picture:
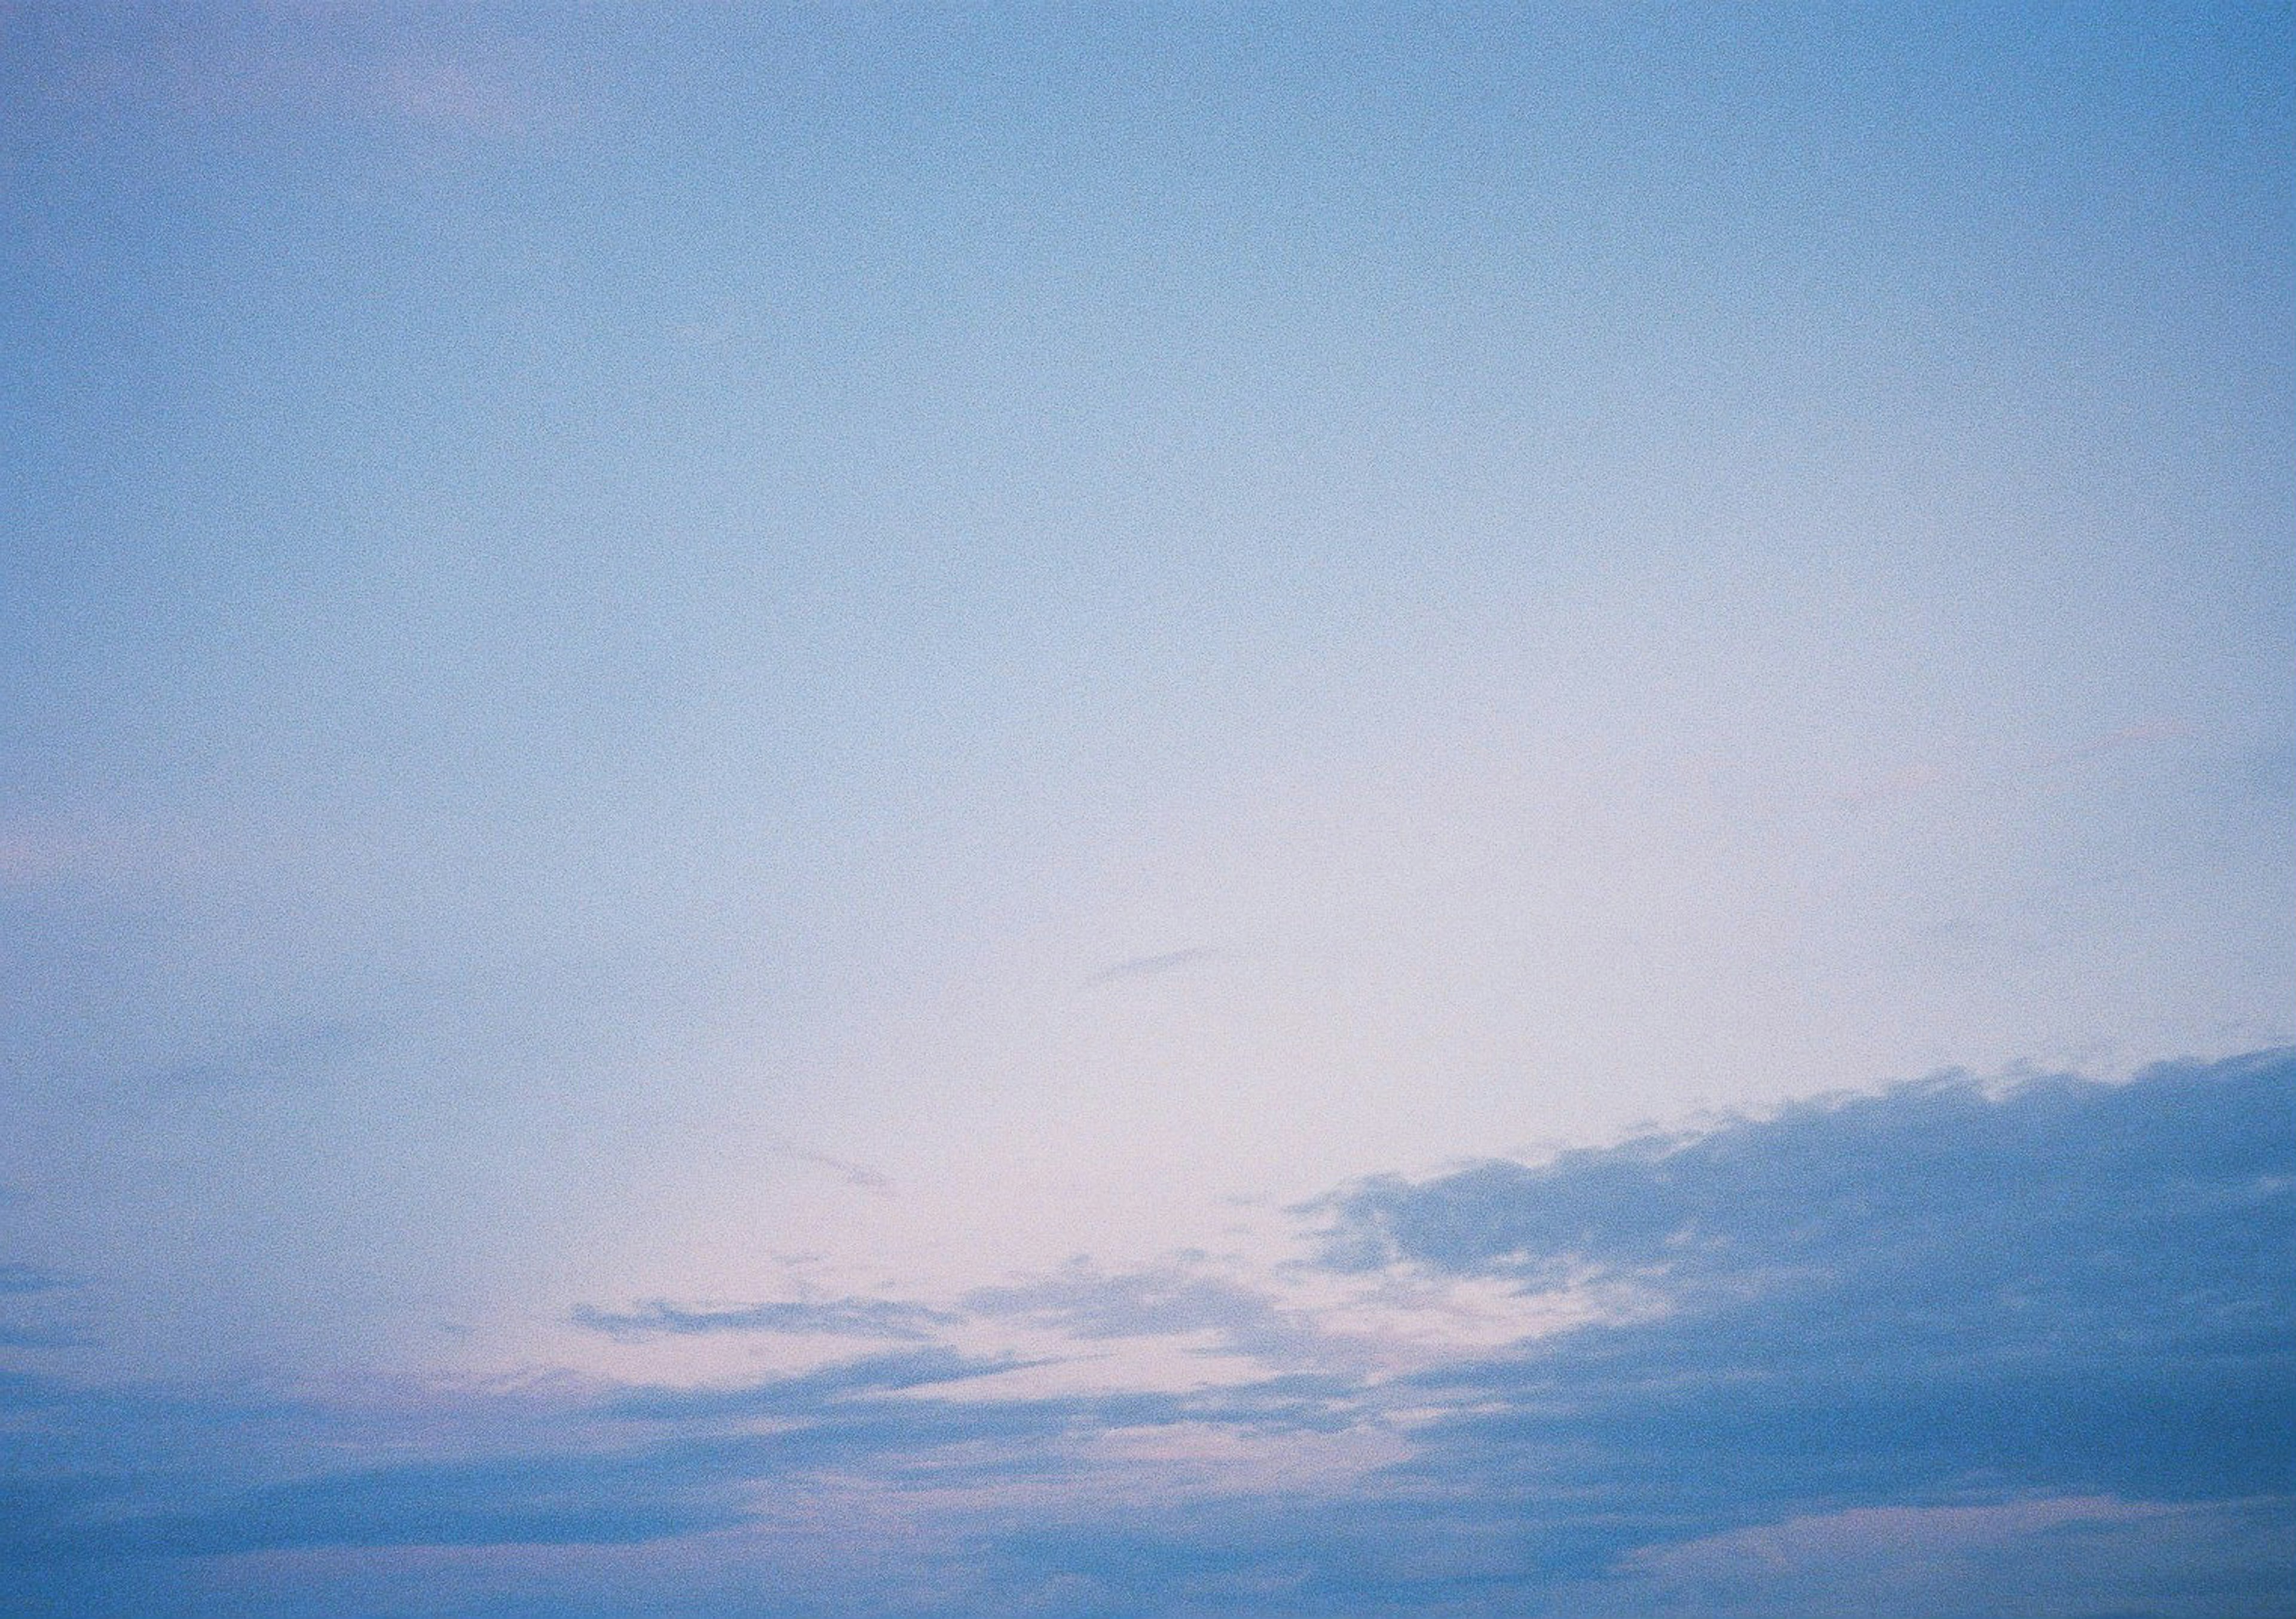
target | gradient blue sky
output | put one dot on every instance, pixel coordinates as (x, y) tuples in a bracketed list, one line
[(859, 731)]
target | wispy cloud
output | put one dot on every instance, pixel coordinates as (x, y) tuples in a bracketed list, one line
[(857, 1175), (870, 1317), (811, 1393), (19, 1279), (34, 1300), (1148, 966)]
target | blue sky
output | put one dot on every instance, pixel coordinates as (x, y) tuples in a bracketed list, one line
[(1181, 797)]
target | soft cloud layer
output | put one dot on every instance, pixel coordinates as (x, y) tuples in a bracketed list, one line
[(1968, 1333)]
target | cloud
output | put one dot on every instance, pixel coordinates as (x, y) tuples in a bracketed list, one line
[(1146, 967), (1950, 1295), (18, 1279), (2063, 1287), (809, 1392), (30, 1297), (636, 1466), (871, 1318), (857, 1175), (1951, 1339), (1172, 1299), (539, 1501), (2079, 1557)]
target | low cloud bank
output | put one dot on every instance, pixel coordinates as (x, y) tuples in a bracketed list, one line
[(1949, 1330)]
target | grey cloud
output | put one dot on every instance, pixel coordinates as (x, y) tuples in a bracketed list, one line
[(1171, 1299), (32, 1298), (1144, 966), (576, 1478), (2045, 1184), (1944, 1294), (21, 1278), (548, 1499), (2098, 1560), (17, 1335), (2068, 1287), (1947, 1294), (857, 1175), (808, 1391), (839, 1317)]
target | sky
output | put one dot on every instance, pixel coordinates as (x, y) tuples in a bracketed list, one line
[(1326, 810)]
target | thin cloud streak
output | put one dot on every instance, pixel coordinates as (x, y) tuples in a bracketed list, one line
[(1149, 967), (840, 1317)]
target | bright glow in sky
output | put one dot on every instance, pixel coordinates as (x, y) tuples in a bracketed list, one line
[(687, 659)]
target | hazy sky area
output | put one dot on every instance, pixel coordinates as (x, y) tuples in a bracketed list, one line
[(1235, 811)]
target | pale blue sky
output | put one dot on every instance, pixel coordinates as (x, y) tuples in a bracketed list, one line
[(612, 622)]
